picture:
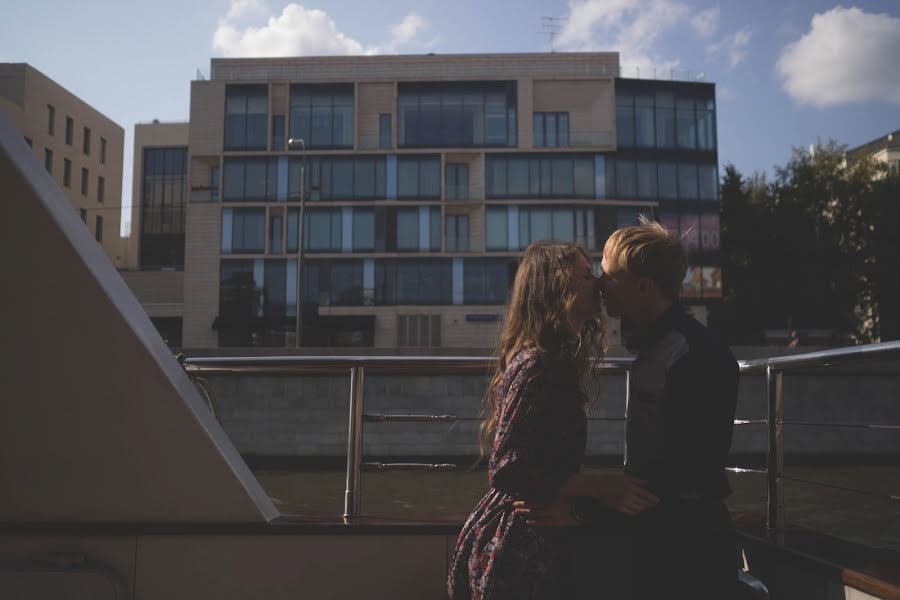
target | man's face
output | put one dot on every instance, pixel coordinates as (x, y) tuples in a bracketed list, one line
[(620, 290)]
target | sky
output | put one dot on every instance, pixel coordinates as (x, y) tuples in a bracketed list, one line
[(787, 72)]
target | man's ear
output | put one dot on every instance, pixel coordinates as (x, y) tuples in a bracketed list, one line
[(646, 286)]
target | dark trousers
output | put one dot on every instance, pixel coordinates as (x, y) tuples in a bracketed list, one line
[(684, 549)]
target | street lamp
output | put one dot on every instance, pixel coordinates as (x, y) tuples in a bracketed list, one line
[(298, 326)]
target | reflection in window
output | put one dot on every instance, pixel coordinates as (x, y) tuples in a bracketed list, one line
[(338, 178), (163, 189), (644, 134), (418, 178), (413, 281), (246, 117), (457, 181), (496, 228), (709, 182), (250, 179), (363, 229), (624, 119), (457, 114), (545, 223), (243, 230), (410, 233), (687, 181), (322, 115), (321, 231), (540, 177), (551, 129), (457, 233), (487, 280)]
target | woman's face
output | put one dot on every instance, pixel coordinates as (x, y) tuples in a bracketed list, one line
[(587, 293)]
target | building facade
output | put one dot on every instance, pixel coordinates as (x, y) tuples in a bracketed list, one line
[(155, 272), (79, 146), (422, 179)]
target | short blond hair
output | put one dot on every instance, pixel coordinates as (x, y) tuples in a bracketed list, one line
[(649, 250)]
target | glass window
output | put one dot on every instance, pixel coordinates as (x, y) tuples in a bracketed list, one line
[(413, 281), (457, 114), (407, 229), (709, 184), (246, 117), (687, 181), (418, 178), (665, 120), (645, 132), (709, 232), (247, 231), (686, 123), (624, 119), (706, 124), (550, 130), (486, 280), (517, 177), (690, 231), (98, 231), (342, 179), (457, 181), (86, 141), (537, 124), (626, 179), (712, 282), (563, 225), (51, 119), (322, 115), (322, 230), (67, 172), (384, 131), (496, 228), (70, 128), (102, 151), (584, 177), (457, 233), (275, 222), (363, 229), (585, 228), (626, 217), (278, 132), (646, 179), (562, 129), (563, 177), (101, 189), (85, 175), (668, 181)]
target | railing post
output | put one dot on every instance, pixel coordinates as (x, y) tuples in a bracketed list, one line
[(352, 501), (775, 456), (627, 404)]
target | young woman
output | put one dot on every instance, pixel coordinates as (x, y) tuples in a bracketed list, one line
[(551, 336)]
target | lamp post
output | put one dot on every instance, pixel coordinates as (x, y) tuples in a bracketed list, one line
[(298, 326)]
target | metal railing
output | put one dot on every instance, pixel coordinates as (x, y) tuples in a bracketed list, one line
[(359, 366)]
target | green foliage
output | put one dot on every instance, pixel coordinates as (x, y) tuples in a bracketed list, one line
[(817, 248)]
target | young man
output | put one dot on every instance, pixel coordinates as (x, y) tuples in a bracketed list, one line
[(678, 430), (679, 422)]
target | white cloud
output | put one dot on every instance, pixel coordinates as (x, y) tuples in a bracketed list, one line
[(706, 22), (298, 31), (633, 28), (847, 56), (734, 45)]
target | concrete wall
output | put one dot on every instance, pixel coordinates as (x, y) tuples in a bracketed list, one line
[(283, 416)]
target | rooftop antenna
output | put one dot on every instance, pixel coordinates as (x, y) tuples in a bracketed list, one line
[(200, 76), (551, 26)]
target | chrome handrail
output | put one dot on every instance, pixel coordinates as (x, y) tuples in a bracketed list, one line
[(358, 366)]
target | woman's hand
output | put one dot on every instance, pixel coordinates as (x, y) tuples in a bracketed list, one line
[(557, 513)]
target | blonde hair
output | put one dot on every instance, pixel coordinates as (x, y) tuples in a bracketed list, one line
[(649, 250), (537, 316)]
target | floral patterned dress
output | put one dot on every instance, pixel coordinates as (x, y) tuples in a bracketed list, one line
[(538, 443)]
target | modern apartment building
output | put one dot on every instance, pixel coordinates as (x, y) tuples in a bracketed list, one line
[(79, 146), (155, 272), (422, 178)]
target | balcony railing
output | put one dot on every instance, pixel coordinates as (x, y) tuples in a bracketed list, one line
[(358, 367)]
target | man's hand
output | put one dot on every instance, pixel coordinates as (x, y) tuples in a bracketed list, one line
[(556, 514), (625, 494)]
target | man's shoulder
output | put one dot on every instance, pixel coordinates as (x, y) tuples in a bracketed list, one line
[(702, 342)]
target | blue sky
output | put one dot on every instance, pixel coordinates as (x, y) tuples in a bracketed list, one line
[(787, 72)]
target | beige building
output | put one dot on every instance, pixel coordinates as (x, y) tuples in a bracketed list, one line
[(885, 149), (79, 146), (155, 271), (422, 179)]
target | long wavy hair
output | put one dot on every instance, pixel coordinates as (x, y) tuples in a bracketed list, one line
[(538, 316)]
